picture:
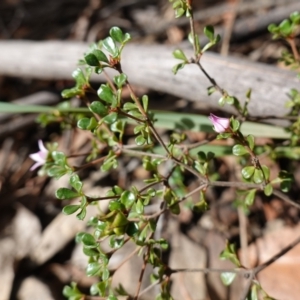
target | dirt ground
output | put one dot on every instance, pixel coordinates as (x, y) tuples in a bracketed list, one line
[(38, 253)]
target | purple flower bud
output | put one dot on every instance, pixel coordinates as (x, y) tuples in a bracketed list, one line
[(220, 124), (39, 157)]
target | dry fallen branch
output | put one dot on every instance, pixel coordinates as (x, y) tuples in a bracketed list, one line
[(151, 66)]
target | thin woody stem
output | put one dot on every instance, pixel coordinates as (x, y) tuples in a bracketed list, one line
[(211, 80), (252, 273), (92, 163), (192, 26), (141, 153), (142, 111), (292, 44)]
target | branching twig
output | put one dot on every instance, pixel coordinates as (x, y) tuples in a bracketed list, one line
[(146, 257), (261, 267)]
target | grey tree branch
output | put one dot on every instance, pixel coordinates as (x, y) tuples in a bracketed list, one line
[(150, 66)]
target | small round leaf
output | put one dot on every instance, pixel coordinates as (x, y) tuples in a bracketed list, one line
[(268, 190), (247, 172), (239, 150), (258, 176), (65, 193), (93, 268), (227, 278), (128, 198), (70, 209), (117, 34), (98, 108)]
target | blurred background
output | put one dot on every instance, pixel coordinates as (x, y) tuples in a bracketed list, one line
[(38, 255)]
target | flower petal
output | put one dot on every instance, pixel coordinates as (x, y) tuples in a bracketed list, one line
[(38, 157), (36, 165), (42, 147), (220, 124)]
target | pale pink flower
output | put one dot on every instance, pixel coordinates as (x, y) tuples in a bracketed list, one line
[(220, 124), (39, 157)]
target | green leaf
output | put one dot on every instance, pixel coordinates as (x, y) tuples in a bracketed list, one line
[(98, 108), (175, 208), (258, 176), (116, 242), (132, 229), (119, 223), (57, 172), (254, 294), (120, 80), (100, 55), (79, 236), (202, 156), (59, 158), (118, 126), (87, 123), (268, 189), (201, 206), (248, 93), (126, 38), (117, 34), (210, 155), (179, 54), (128, 198), (65, 193), (108, 164), (250, 140), (209, 32), (285, 27), (90, 251), (230, 100), (69, 93), (179, 12), (235, 125), (99, 288), (222, 101), (93, 269), (200, 167), (105, 93), (110, 46), (145, 102), (111, 118), (164, 244), (115, 205), (105, 274), (140, 140), (88, 240), (72, 292), (266, 171), (227, 278), (248, 172), (295, 17), (129, 106), (194, 40), (79, 77), (285, 186), (272, 28), (211, 90), (178, 67), (139, 207), (239, 150), (230, 253), (250, 196), (70, 209), (81, 215), (76, 183), (91, 60)]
